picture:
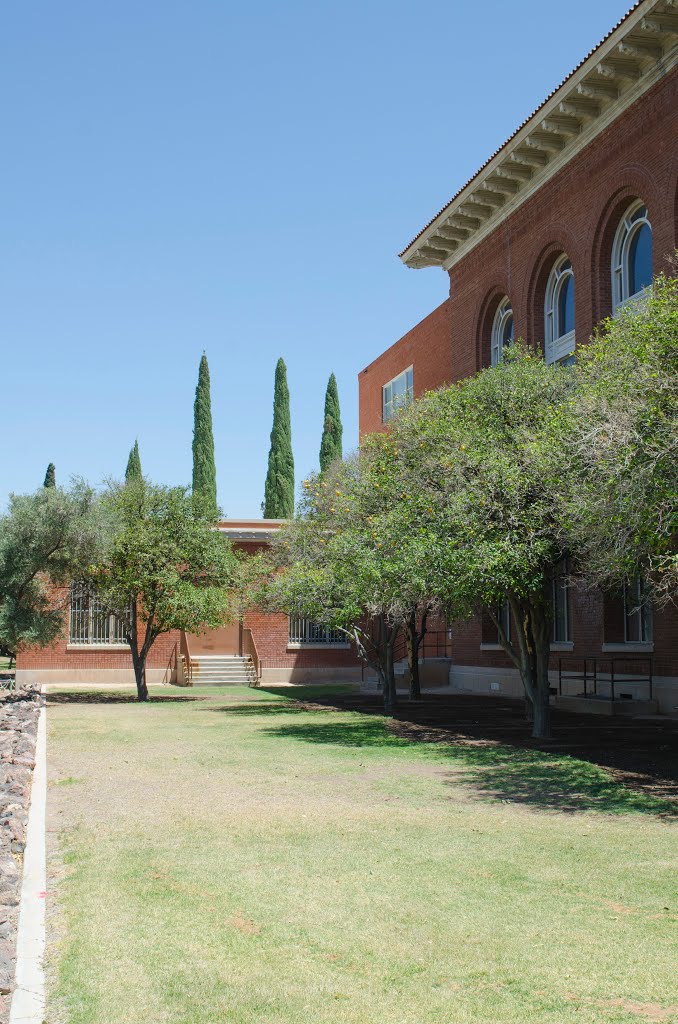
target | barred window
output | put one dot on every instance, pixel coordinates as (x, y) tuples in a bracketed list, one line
[(90, 623), (306, 631)]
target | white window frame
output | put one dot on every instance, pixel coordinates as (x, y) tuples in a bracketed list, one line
[(637, 609), (89, 625), (303, 632), (390, 404), (561, 588), (504, 312), (628, 227), (557, 347)]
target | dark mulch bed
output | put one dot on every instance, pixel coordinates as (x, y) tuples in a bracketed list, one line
[(641, 753)]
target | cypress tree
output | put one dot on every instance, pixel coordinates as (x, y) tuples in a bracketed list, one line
[(204, 468), (50, 476), (133, 471), (330, 446), (279, 489)]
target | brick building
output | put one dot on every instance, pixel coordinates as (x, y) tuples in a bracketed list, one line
[(271, 648), (567, 221)]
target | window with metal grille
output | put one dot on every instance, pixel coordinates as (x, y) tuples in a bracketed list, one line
[(90, 622), (305, 631)]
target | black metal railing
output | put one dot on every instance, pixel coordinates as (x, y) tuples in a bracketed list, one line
[(604, 677)]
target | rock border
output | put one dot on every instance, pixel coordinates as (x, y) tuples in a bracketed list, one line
[(21, 714)]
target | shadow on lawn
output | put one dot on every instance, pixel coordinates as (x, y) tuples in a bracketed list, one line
[(498, 772), (273, 707), (100, 697)]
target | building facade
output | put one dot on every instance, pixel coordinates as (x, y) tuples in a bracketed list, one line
[(567, 221), (267, 648)]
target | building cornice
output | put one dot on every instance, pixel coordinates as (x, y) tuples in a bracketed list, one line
[(635, 55)]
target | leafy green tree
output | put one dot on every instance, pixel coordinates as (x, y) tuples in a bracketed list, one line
[(330, 446), (50, 476), (623, 429), (165, 566), (46, 539), (204, 468), (353, 562), (133, 470), (279, 487), (481, 468)]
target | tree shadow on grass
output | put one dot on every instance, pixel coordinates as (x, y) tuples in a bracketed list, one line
[(100, 697), (269, 708), (497, 772)]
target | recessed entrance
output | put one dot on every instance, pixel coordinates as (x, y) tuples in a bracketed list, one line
[(225, 640)]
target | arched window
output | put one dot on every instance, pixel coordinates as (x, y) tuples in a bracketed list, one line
[(502, 330), (632, 255), (559, 338)]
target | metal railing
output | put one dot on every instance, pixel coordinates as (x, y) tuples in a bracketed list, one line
[(249, 649), (185, 655), (603, 677)]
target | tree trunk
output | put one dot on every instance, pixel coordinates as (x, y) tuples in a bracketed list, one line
[(533, 628), (414, 639), (139, 656), (140, 676), (390, 694)]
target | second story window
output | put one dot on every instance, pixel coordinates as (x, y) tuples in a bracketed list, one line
[(502, 330), (632, 255), (397, 393), (559, 340)]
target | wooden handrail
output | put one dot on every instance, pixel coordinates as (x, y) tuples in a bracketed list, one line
[(249, 648)]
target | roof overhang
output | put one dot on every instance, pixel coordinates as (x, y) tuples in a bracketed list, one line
[(262, 530), (633, 56)]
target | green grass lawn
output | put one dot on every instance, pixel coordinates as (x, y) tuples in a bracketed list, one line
[(229, 856)]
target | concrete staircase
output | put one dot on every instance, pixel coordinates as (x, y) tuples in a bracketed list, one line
[(222, 670)]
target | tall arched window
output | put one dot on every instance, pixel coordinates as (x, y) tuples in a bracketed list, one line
[(502, 330), (559, 338), (632, 255)]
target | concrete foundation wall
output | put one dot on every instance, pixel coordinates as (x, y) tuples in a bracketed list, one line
[(480, 679), (115, 676), (271, 676)]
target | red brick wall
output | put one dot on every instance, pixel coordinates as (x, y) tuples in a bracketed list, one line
[(576, 212), (271, 635), (270, 632), (62, 656), (426, 347)]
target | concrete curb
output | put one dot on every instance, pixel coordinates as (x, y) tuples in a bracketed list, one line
[(28, 1000)]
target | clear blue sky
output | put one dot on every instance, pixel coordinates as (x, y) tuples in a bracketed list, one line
[(180, 176)]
